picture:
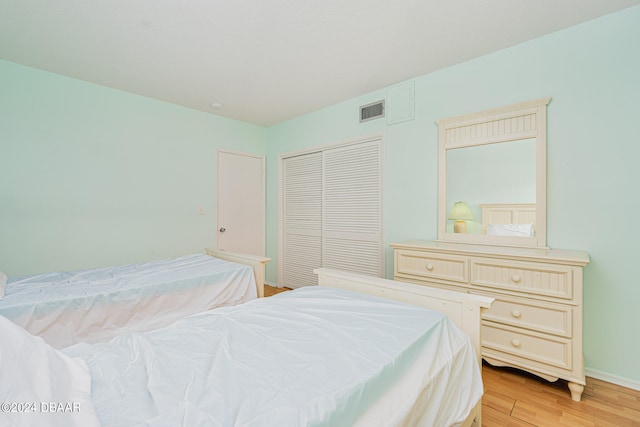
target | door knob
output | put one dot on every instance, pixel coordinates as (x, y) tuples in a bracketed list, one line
[(222, 229)]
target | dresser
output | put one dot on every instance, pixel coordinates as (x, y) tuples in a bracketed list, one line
[(535, 322)]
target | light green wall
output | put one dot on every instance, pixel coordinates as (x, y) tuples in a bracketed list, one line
[(91, 176), (591, 72)]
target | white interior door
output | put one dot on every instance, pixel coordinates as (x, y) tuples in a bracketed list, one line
[(240, 202)]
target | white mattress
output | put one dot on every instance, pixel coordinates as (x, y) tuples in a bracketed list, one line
[(310, 357), (96, 305)]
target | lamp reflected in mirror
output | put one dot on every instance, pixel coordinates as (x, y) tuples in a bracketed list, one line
[(460, 213)]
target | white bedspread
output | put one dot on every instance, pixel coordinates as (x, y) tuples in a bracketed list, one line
[(96, 305), (310, 357)]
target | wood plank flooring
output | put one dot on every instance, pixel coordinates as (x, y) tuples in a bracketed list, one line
[(514, 398), (272, 290)]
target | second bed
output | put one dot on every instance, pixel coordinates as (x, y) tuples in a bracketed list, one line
[(95, 305)]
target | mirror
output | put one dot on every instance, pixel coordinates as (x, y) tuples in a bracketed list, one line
[(502, 173), (495, 163)]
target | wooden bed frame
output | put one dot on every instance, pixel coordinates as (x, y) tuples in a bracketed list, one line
[(256, 262), (464, 309)]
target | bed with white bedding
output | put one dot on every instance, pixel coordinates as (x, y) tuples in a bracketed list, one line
[(95, 305), (315, 356)]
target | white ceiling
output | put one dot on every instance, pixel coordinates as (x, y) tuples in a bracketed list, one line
[(268, 61)]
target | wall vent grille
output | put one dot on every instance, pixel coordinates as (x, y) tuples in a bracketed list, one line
[(372, 111)]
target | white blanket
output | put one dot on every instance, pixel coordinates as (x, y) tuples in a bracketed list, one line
[(98, 304), (311, 357)]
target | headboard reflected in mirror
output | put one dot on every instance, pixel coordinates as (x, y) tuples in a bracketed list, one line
[(494, 158), (509, 219)]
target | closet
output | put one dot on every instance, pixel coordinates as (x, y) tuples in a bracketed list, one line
[(332, 211)]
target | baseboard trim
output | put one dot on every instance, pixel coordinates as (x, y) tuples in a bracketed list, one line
[(275, 285), (613, 379)]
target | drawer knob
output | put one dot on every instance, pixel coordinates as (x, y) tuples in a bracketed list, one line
[(429, 267), (515, 278), (516, 342), (516, 314)]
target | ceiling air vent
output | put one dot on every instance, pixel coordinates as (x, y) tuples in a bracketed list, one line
[(372, 111)]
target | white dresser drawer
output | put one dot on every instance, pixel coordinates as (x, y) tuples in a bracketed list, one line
[(532, 278), (551, 318), (548, 350), (447, 286), (432, 266)]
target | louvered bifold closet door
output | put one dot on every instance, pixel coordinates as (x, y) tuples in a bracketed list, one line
[(352, 208), (302, 197)]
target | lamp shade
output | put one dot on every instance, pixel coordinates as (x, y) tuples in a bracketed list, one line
[(460, 211)]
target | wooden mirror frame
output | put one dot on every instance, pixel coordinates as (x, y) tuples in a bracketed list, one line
[(527, 120)]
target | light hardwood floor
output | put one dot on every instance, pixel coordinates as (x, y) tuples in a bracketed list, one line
[(271, 290), (516, 399)]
